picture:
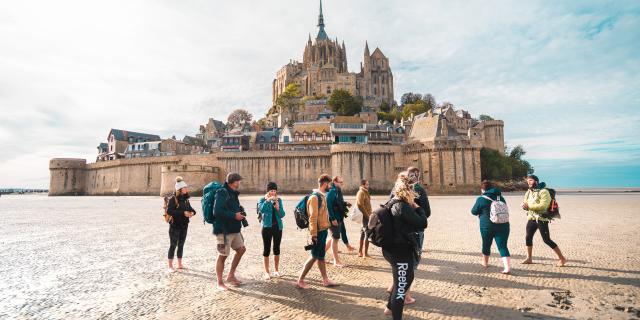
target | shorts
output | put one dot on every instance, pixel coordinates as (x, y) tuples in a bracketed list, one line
[(335, 230), (227, 242), (318, 250)]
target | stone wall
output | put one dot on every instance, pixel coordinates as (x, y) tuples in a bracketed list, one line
[(446, 168)]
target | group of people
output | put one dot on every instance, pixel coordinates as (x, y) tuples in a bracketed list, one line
[(327, 209)]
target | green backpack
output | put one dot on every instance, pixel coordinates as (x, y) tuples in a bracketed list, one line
[(208, 201)]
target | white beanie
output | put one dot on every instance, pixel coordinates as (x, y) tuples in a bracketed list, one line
[(180, 183)]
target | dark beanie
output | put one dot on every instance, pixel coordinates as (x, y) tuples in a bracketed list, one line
[(534, 177), (272, 186)]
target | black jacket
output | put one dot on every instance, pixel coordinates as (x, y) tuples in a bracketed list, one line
[(406, 222), (177, 211)]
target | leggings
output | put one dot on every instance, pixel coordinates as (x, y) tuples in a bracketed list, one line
[(532, 226), (401, 260), (498, 232), (177, 236), (268, 234)]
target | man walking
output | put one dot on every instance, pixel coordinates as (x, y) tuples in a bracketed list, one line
[(228, 216), (363, 201), (318, 225), (337, 208)]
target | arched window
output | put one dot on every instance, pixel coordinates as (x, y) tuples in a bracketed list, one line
[(304, 136), (313, 136), (297, 136)]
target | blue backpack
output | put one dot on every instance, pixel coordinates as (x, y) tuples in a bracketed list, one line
[(208, 201), (300, 212)]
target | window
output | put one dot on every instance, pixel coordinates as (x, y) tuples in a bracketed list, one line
[(324, 136), (304, 136), (375, 90), (286, 138), (313, 136)]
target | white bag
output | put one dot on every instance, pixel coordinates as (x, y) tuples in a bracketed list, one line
[(499, 211), (355, 214)]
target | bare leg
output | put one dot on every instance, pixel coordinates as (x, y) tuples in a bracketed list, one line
[(366, 248), (276, 263), (329, 244), (231, 277), (409, 299), (305, 270), (485, 261), (170, 261), (323, 272), (336, 257), (219, 271), (180, 266), (529, 259), (506, 261), (265, 262), (361, 247), (561, 259)]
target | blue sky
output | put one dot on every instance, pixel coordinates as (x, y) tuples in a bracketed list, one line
[(563, 75)]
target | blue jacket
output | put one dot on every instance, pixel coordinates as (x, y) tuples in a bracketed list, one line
[(335, 203), (267, 209), (225, 207), (482, 208)]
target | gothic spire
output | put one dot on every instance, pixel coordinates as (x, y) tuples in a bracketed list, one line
[(321, 34), (366, 48)]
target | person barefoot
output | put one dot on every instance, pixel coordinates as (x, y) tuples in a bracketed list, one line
[(318, 226), (180, 265), (271, 212), (363, 202), (234, 281)]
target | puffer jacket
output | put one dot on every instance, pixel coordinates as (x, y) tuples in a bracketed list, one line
[(177, 208), (482, 207)]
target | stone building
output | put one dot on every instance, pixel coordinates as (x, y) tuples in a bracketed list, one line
[(324, 69), (306, 136), (103, 152), (119, 140), (348, 130), (211, 133)]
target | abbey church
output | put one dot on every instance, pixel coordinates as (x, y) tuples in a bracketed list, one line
[(324, 69)]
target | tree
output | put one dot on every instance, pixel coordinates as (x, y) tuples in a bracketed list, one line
[(343, 103), (390, 116), (484, 117), (430, 100), (385, 107), (409, 98), (239, 116), (502, 167), (290, 100), (415, 108)]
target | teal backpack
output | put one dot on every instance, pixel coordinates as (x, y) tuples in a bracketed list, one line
[(208, 198)]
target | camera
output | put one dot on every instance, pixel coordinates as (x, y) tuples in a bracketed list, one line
[(309, 247), (244, 221)]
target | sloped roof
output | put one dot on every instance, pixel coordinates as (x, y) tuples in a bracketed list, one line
[(347, 119), (268, 135), (309, 127), (194, 141), (124, 135), (103, 146)]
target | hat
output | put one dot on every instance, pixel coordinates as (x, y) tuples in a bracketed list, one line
[(180, 183), (272, 186), (233, 177), (534, 177)]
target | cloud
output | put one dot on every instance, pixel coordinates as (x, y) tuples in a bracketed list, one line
[(563, 76)]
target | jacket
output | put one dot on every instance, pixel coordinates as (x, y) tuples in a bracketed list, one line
[(318, 215), (226, 205), (177, 211), (538, 200), (406, 223), (482, 208), (268, 210), (363, 201), (422, 199), (335, 204)]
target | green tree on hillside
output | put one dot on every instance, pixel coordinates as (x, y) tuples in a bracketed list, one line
[(502, 167), (343, 103), (290, 100)]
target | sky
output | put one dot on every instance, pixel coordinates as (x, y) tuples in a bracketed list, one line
[(563, 75)]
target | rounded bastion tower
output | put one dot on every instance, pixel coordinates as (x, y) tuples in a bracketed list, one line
[(68, 177)]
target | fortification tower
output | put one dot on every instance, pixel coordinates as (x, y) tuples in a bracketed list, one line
[(68, 177)]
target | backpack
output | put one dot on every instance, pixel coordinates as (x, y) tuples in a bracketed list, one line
[(208, 201), (300, 212), (553, 211), (499, 211), (380, 228), (167, 197)]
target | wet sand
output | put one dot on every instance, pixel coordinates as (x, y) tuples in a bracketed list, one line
[(105, 258)]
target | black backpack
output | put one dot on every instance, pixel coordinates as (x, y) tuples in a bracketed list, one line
[(300, 212), (380, 228)]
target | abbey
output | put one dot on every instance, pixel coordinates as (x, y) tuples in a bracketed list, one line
[(324, 69)]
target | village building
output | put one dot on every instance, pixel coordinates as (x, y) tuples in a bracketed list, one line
[(119, 140)]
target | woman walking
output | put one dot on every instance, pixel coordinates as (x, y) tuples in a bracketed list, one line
[(271, 212), (179, 208), (408, 220), (490, 230), (536, 203)]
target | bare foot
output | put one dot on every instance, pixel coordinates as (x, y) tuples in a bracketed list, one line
[(181, 266), (329, 284), (387, 311), (367, 256), (302, 285), (171, 270), (409, 300), (350, 248), (222, 287), (338, 265), (266, 276), (527, 261), (562, 262), (360, 254), (484, 265), (276, 274), (234, 281), (506, 271), (390, 288)]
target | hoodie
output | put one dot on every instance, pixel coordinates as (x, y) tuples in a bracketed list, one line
[(482, 207)]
